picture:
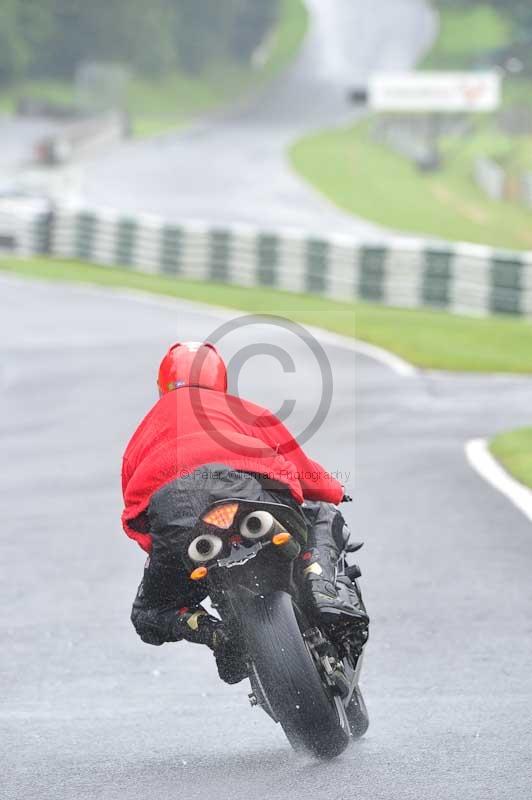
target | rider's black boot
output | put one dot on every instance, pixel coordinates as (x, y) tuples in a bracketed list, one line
[(157, 622), (337, 601), (196, 625)]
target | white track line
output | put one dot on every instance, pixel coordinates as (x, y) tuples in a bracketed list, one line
[(396, 363), (480, 458), (390, 360)]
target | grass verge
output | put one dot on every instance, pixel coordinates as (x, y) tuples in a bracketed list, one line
[(370, 180), (429, 339), (514, 451), (162, 105)]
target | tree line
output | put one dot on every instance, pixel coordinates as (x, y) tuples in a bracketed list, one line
[(49, 38)]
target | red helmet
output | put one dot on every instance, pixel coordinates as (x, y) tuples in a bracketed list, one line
[(192, 364)]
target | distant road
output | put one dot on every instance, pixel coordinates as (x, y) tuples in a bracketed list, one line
[(232, 167)]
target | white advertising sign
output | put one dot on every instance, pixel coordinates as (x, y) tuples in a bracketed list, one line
[(435, 91)]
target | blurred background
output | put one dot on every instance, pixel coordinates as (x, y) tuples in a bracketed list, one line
[(361, 166), (159, 63), (146, 70)]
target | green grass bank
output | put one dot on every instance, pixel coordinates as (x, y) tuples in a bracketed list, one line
[(371, 181), (428, 339), (514, 450)]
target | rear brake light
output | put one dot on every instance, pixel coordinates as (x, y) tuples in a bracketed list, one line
[(221, 516)]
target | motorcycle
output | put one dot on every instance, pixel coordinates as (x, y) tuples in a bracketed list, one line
[(247, 552)]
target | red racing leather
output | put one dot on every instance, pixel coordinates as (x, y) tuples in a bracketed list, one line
[(191, 427)]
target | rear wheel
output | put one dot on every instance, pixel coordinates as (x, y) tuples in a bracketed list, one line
[(309, 713)]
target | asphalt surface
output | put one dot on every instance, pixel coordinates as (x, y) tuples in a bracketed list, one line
[(88, 711), (233, 167)]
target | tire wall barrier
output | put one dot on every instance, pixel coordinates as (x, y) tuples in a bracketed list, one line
[(412, 273), (25, 227)]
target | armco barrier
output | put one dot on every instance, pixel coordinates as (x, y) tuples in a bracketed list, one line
[(414, 273), (25, 226)]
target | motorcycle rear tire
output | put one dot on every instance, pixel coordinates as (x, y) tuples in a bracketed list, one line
[(289, 676)]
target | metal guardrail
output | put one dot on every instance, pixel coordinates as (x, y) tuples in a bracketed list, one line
[(412, 273)]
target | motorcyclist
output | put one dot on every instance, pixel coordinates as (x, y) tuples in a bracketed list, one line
[(199, 444)]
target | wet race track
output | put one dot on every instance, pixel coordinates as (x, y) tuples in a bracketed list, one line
[(87, 710)]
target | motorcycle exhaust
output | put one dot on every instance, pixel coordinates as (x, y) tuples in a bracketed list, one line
[(286, 545)]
